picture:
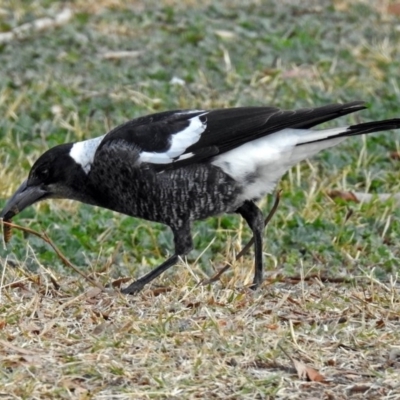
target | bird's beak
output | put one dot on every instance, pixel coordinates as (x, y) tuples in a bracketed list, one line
[(22, 198)]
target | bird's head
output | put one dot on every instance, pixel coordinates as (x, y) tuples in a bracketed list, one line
[(54, 175)]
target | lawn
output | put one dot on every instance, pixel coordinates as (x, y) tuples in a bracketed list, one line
[(331, 297)]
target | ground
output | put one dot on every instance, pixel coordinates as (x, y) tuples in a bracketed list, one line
[(330, 301)]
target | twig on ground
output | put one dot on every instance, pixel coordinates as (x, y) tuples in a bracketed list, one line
[(23, 31), (116, 55), (65, 261)]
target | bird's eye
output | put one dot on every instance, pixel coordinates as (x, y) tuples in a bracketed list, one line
[(42, 173)]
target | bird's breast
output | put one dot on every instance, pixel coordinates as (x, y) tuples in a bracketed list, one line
[(188, 193)]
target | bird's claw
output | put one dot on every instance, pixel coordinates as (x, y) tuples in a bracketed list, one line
[(133, 288)]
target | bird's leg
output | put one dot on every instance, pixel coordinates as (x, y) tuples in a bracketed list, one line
[(254, 218), (183, 245)]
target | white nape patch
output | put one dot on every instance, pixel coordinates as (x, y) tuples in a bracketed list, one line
[(259, 164), (83, 152), (179, 143)]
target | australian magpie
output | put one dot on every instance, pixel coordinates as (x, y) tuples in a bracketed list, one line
[(179, 166)]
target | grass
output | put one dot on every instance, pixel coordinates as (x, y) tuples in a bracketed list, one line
[(331, 299)]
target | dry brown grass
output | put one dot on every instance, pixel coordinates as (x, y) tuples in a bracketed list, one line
[(61, 339), (188, 341)]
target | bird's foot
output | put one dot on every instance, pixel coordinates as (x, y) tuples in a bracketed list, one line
[(255, 285), (134, 287)]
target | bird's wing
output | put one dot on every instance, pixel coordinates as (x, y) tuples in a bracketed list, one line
[(173, 139)]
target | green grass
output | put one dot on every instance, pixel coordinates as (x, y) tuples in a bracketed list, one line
[(57, 86)]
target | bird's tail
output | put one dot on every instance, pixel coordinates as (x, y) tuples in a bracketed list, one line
[(339, 134), (376, 126), (313, 141)]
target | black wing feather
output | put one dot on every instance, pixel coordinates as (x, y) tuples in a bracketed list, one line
[(226, 129), (153, 132), (232, 127)]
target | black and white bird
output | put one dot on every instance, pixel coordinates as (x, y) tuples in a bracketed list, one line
[(180, 166)]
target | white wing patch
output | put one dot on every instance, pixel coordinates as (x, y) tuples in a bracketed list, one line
[(180, 142), (83, 152), (259, 164)]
